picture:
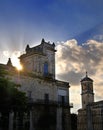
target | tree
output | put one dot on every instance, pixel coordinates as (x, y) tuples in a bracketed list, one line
[(11, 99)]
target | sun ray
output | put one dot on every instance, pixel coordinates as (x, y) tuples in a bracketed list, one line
[(16, 61)]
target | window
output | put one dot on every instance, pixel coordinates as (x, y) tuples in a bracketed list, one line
[(46, 97), (62, 99), (62, 96), (45, 68)]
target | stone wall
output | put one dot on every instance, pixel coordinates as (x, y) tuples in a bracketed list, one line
[(38, 88)]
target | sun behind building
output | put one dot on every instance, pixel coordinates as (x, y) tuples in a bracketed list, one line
[(48, 97)]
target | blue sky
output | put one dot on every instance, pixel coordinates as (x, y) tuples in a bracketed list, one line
[(23, 21)]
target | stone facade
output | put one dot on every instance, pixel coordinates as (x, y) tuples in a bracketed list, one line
[(40, 59), (90, 116), (48, 97)]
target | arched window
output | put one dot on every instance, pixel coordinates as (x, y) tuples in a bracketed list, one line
[(45, 68)]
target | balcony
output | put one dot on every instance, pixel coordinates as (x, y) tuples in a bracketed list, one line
[(48, 75), (50, 103)]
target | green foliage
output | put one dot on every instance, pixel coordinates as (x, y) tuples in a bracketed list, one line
[(3, 72), (10, 97)]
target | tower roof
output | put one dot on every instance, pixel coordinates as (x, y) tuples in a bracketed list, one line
[(39, 49), (86, 78), (9, 63)]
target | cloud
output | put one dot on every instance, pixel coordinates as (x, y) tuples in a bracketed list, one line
[(73, 60), (98, 37), (15, 59), (4, 55)]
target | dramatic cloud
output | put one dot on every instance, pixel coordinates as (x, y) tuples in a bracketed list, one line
[(73, 60), (4, 55)]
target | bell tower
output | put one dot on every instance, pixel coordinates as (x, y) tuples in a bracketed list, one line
[(87, 93)]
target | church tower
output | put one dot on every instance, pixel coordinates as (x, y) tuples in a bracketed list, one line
[(87, 93), (40, 59)]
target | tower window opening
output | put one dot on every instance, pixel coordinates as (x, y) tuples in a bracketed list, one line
[(45, 68)]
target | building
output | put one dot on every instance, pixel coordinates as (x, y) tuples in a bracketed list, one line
[(90, 116), (48, 97)]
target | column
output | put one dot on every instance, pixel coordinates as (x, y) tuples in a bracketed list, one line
[(59, 119), (67, 119), (31, 121), (89, 118), (11, 115)]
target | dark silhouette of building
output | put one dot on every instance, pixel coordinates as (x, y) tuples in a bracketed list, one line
[(49, 106)]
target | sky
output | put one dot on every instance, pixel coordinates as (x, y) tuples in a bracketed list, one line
[(76, 27)]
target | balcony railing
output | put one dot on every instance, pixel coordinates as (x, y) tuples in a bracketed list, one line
[(48, 75), (50, 103)]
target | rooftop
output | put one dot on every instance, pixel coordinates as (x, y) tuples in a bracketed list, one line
[(86, 78)]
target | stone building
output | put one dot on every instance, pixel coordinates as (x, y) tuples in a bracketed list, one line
[(90, 116), (48, 97)]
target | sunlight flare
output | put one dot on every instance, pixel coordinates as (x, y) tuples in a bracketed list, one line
[(19, 67), (16, 61)]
